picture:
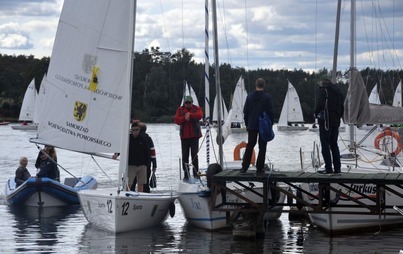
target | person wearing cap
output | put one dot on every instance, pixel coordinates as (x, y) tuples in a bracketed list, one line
[(188, 117), (329, 110)]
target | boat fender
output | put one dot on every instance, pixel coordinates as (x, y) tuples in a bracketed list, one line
[(212, 169), (172, 209), (299, 204), (393, 134), (328, 200), (237, 153), (290, 200), (274, 196), (205, 194), (86, 182)]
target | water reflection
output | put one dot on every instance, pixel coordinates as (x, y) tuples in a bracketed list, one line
[(159, 239), (279, 237), (37, 228)]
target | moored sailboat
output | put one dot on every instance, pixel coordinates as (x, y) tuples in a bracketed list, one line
[(343, 214), (194, 193), (90, 74)]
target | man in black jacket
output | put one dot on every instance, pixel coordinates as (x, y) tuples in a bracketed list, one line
[(329, 110), (256, 102)]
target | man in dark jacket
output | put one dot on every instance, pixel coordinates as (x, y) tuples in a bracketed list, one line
[(139, 157), (188, 117), (256, 102), (329, 110), (152, 163)]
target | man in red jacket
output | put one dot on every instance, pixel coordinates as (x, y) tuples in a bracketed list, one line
[(188, 116)]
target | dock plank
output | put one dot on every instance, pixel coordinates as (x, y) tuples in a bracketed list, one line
[(301, 176)]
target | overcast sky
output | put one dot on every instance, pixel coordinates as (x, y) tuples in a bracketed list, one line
[(281, 34)]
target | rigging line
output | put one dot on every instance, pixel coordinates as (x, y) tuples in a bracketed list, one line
[(392, 47), (247, 36), (51, 159), (183, 44), (100, 168), (169, 50), (223, 20), (165, 27)]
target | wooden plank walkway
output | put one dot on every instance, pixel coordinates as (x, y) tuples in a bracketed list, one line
[(306, 177), (390, 182)]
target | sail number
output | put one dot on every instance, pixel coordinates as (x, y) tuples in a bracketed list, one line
[(109, 204), (125, 207)]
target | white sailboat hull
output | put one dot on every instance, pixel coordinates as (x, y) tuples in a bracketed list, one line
[(196, 205), (126, 211), (25, 127), (341, 129), (238, 130), (337, 223), (291, 128), (345, 222)]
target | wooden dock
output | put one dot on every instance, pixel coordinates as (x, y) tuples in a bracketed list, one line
[(274, 181)]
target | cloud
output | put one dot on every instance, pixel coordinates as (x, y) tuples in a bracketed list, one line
[(16, 41), (255, 33)]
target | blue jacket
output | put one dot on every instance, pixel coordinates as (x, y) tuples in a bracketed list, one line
[(256, 103)]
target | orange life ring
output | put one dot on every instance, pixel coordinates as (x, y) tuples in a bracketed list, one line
[(237, 153), (388, 132)]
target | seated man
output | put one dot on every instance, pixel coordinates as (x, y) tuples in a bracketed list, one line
[(48, 168)]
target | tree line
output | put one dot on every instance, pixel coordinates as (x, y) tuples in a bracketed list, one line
[(159, 79)]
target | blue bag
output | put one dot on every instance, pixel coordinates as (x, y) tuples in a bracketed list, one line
[(265, 128)]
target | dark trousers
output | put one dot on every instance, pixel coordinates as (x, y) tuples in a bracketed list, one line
[(252, 138), (330, 148), (190, 145)]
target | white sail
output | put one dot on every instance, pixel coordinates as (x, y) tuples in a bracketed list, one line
[(27, 112), (39, 101), (374, 96), (224, 111), (188, 91), (238, 101), (76, 118), (291, 111), (397, 98)]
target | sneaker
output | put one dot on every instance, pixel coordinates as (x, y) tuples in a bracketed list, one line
[(242, 171), (325, 171)]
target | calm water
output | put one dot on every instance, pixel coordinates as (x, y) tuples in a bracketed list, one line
[(55, 230)]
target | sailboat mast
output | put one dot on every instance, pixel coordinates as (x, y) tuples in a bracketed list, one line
[(217, 79), (352, 58), (336, 42), (207, 81), (123, 162), (352, 34)]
